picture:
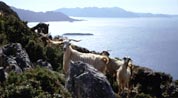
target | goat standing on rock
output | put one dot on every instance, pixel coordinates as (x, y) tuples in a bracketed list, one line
[(124, 74), (98, 61)]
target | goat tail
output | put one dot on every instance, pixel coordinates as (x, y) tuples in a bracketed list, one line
[(105, 59)]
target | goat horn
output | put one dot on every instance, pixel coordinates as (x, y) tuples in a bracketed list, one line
[(74, 40), (43, 35), (55, 42)]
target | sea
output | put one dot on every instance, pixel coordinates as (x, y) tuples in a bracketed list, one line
[(150, 42)]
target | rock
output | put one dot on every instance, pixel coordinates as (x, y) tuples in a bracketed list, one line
[(80, 49), (84, 81), (15, 56), (78, 34), (45, 64), (12, 65)]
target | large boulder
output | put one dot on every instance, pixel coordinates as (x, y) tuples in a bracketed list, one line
[(84, 81), (15, 57)]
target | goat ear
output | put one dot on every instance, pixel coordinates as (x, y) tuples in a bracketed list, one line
[(105, 60), (124, 58)]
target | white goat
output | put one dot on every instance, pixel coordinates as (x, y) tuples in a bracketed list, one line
[(1, 13), (98, 61), (124, 74)]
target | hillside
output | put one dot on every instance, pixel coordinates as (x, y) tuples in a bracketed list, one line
[(32, 16), (105, 12), (20, 49)]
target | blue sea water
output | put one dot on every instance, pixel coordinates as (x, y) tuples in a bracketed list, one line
[(150, 42)]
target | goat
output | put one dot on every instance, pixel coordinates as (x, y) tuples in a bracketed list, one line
[(1, 14), (98, 61), (106, 53), (124, 74), (112, 66)]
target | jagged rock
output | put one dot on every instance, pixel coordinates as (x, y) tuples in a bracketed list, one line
[(43, 63), (84, 81), (14, 67), (15, 56)]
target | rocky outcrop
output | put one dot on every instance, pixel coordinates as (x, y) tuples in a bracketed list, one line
[(14, 57), (45, 64), (84, 81)]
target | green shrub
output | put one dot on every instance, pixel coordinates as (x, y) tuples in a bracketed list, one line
[(142, 95), (176, 82), (39, 82), (3, 39), (2, 28), (15, 30), (35, 51), (55, 57)]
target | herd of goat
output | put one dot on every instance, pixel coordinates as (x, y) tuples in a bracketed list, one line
[(122, 68), (102, 62)]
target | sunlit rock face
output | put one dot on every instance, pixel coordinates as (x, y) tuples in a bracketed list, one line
[(84, 81)]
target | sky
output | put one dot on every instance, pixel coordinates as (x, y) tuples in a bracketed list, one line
[(146, 6)]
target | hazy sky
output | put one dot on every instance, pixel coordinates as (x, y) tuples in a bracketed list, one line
[(152, 6)]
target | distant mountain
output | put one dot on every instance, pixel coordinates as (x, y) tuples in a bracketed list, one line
[(104, 12), (31, 16)]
